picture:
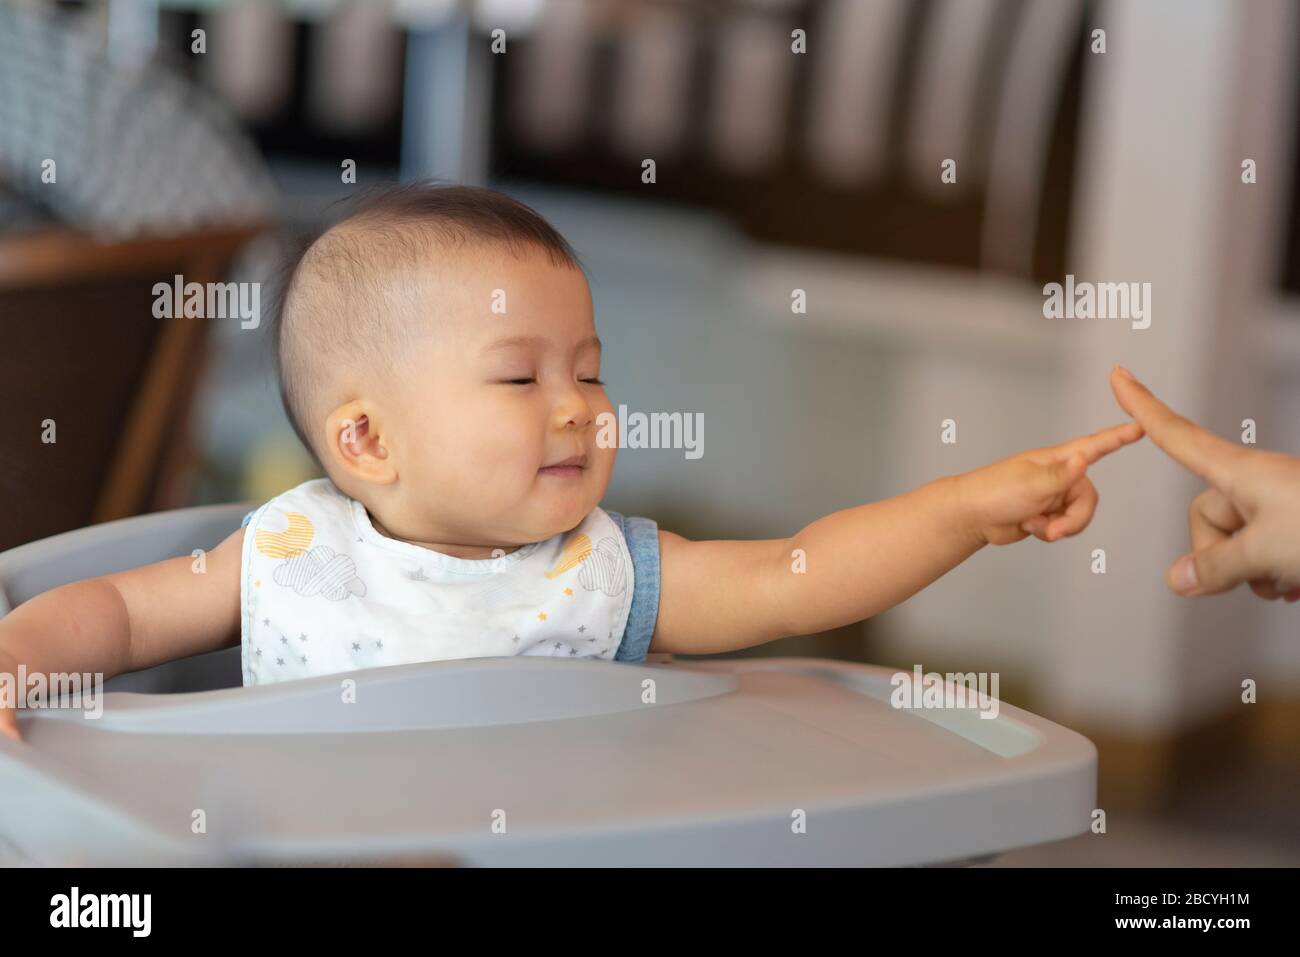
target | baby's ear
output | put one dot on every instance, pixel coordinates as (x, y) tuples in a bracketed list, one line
[(354, 445)]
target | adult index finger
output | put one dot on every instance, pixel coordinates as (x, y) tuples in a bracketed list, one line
[(1193, 447)]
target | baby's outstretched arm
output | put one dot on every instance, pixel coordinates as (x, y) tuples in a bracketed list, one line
[(721, 595), (125, 621)]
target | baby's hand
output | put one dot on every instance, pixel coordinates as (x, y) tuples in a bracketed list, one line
[(1042, 492)]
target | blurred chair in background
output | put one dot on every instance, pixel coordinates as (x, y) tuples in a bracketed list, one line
[(118, 178)]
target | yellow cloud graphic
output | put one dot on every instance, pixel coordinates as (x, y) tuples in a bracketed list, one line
[(576, 551), (294, 540)]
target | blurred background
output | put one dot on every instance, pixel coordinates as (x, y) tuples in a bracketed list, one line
[(797, 145)]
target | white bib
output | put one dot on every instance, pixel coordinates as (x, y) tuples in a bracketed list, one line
[(322, 592)]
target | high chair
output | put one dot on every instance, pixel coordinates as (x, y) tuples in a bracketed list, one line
[(511, 761)]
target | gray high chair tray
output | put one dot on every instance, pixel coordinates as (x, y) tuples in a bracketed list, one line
[(511, 761)]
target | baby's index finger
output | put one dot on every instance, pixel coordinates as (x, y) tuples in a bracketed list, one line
[(1092, 447), (1200, 451)]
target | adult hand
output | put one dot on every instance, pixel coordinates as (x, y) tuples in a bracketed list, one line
[(1246, 526)]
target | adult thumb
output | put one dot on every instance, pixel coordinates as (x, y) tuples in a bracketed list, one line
[(1217, 568)]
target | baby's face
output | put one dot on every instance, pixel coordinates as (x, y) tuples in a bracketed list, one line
[(498, 413)]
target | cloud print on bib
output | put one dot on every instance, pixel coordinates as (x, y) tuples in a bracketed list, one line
[(601, 567), (309, 571)]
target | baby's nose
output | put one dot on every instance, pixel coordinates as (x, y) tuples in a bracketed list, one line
[(574, 413)]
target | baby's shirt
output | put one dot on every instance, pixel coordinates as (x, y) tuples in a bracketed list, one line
[(322, 592)]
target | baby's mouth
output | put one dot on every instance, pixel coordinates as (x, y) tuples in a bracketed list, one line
[(572, 467)]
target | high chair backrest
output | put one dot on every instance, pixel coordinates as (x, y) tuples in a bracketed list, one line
[(98, 389)]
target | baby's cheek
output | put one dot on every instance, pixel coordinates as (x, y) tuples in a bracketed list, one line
[(514, 474), (604, 467), (506, 470)]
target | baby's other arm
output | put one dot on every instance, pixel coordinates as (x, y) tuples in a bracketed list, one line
[(126, 621), (717, 596)]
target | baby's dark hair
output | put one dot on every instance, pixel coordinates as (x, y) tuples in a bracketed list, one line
[(339, 302)]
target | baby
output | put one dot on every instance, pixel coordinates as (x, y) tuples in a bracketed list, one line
[(438, 355)]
